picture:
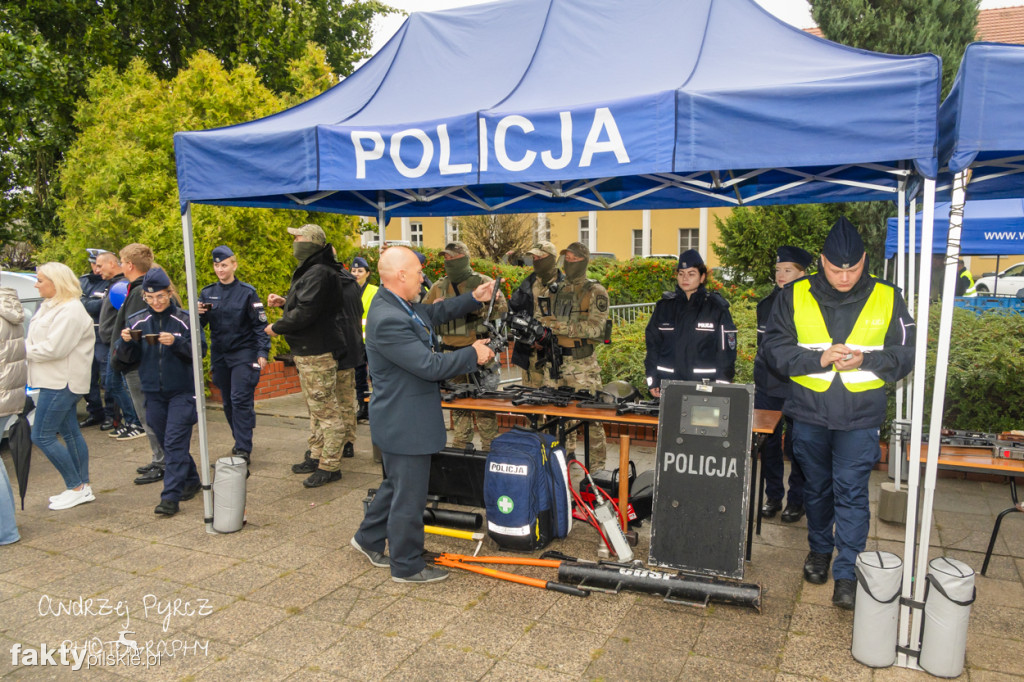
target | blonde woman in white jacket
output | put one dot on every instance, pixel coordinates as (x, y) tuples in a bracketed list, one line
[(59, 350)]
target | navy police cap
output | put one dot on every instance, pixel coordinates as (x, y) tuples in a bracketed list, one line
[(222, 253), (690, 259), (843, 246), (793, 254), (155, 280)]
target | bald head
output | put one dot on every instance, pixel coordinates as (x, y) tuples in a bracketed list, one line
[(400, 270)]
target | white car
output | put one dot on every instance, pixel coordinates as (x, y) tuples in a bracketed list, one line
[(1011, 280)]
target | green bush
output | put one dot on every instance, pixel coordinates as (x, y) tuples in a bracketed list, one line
[(639, 280)]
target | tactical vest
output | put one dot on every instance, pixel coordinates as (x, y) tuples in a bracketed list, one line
[(568, 308), (472, 324), (868, 334)]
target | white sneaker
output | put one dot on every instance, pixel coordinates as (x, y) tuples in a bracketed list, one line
[(61, 496), (76, 498)]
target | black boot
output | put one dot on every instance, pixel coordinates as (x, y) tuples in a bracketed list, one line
[(307, 466), (321, 477), (348, 450), (792, 513), (363, 415), (770, 508), (816, 567), (845, 593)]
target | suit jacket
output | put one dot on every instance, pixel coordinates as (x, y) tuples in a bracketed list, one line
[(405, 406)]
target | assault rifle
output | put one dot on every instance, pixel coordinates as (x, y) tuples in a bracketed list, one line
[(1001, 449), (488, 376), (648, 407), (530, 331)]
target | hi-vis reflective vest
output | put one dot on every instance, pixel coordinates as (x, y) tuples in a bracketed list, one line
[(868, 334)]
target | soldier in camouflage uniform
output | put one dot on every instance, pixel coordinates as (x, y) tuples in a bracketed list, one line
[(460, 278), (578, 311), (524, 300)]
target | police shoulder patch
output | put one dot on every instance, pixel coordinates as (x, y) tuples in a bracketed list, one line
[(601, 303)]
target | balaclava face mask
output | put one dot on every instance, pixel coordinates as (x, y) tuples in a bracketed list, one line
[(545, 268), (577, 270), (304, 250), (458, 269)]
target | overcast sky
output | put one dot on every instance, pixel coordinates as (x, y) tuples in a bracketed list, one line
[(795, 12)]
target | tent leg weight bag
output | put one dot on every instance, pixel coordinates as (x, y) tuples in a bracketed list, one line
[(947, 609), (229, 494), (876, 619), (526, 490)]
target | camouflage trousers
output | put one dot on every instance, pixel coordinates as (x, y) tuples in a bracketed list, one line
[(534, 377), (583, 374), (462, 428), (331, 398)]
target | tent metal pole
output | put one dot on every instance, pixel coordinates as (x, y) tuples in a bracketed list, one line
[(917, 419), (956, 219), (900, 276), (197, 365), (380, 220), (910, 290)]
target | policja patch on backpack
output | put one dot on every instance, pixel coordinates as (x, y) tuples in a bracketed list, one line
[(526, 492)]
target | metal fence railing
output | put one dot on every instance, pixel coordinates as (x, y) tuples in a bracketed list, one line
[(628, 313)]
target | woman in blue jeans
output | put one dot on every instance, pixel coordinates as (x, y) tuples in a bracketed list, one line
[(59, 351)]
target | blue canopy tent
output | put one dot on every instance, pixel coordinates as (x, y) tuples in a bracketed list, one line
[(990, 228), (981, 153), (559, 105), (572, 105)]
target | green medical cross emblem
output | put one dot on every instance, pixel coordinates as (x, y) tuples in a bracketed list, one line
[(505, 504)]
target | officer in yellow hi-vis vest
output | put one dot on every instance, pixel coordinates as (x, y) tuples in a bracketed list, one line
[(839, 334)]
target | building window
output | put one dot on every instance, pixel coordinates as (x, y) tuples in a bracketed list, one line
[(689, 238), (416, 234), (638, 242), (584, 237), (453, 230)]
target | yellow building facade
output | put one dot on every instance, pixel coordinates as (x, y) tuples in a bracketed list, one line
[(622, 234)]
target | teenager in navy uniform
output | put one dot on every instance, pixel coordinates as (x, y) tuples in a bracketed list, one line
[(164, 354), (839, 335), (690, 336), (770, 391), (239, 346)]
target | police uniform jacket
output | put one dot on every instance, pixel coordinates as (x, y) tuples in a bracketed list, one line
[(108, 313), (522, 301), (690, 339), (838, 407), (93, 288), (237, 322), (166, 369), (323, 312), (405, 406), (766, 378)]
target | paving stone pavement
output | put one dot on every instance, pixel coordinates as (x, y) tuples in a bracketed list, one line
[(288, 598)]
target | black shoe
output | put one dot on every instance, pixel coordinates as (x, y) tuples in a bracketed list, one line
[(89, 421), (845, 594), (190, 491), (235, 452), (348, 450), (816, 567), (107, 425), (167, 508), (307, 466), (792, 513), (363, 415), (429, 574), (321, 477), (770, 508), (152, 476)]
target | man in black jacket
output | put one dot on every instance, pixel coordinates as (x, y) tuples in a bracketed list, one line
[(100, 406), (839, 335), (322, 324)]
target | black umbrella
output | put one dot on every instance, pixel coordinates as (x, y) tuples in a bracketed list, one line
[(19, 438)]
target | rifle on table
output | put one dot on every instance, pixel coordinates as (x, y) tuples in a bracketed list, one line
[(488, 376), (648, 407)]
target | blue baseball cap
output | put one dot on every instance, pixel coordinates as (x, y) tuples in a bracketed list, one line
[(222, 253)]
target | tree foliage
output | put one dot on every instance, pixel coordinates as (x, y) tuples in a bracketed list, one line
[(943, 27), (492, 236), (119, 175), (49, 49)]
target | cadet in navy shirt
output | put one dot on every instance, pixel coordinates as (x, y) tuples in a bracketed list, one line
[(239, 347)]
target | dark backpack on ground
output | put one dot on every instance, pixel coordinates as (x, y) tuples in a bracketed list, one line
[(526, 494)]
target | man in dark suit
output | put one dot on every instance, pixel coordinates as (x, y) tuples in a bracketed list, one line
[(405, 408)]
